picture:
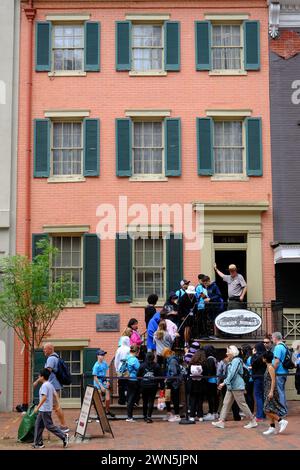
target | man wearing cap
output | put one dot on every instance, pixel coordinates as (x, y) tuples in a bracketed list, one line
[(187, 304), (100, 370), (237, 286), (184, 284)]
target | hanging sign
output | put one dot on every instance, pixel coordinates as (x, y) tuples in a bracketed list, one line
[(238, 322)]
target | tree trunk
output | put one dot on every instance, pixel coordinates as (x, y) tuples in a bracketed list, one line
[(31, 373)]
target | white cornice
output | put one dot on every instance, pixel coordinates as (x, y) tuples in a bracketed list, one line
[(283, 14)]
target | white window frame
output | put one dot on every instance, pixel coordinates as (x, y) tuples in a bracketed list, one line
[(149, 176), (53, 178), (231, 176), (229, 22), (72, 302), (72, 402), (137, 301), (76, 20)]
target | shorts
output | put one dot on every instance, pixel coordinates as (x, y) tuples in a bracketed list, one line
[(104, 384)]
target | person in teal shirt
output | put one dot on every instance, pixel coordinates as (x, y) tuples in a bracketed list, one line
[(133, 366), (99, 372), (279, 356)]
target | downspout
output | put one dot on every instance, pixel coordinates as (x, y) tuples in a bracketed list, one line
[(30, 13)]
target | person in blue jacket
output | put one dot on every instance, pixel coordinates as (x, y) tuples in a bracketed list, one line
[(152, 327)]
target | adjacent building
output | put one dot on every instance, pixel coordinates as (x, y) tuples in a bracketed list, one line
[(9, 46), (285, 135), (135, 105)]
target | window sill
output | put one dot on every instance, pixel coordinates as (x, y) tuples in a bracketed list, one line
[(70, 73), (227, 72), (65, 179), (140, 304), (75, 304), (150, 73), (230, 178), (148, 178)]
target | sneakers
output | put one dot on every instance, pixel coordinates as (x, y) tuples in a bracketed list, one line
[(191, 419), (218, 424), (167, 417), (269, 431), (174, 419), (66, 441), (201, 419), (149, 420), (130, 420), (64, 429), (282, 425), (111, 414), (38, 446), (251, 424), (209, 417)]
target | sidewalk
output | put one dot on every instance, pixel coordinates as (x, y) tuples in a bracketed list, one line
[(162, 435)]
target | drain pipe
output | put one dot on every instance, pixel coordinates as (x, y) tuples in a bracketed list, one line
[(30, 13)]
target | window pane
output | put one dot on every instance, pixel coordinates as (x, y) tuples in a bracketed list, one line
[(75, 355), (76, 392), (228, 147), (147, 157), (147, 47), (75, 368)]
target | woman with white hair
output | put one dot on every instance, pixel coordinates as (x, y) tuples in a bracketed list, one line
[(235, 389)]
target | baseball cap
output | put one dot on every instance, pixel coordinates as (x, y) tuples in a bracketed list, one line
[(184, 281), (100, 352)]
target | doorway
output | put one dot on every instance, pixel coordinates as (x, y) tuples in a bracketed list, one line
[(223, 259)]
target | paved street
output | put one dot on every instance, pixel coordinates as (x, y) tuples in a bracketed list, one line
[(163, 435)]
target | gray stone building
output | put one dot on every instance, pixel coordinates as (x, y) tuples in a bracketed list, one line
[(9, 66), (284, 32)]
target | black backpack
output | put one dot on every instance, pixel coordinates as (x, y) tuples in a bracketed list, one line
[(148, 379), (63, 374), (287, 362)]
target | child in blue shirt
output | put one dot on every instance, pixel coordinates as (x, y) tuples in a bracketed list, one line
[(99, 372)]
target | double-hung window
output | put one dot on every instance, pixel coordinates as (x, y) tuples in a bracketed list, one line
[(68, 47), (67, 148), (227, 47), (228, 148), (148, 268), (67, 263), (147, 47), (148, 148)]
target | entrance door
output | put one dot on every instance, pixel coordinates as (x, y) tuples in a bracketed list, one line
[(223, 259)]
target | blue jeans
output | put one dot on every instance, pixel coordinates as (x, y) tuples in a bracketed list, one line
[(280, 382), (259, 397)]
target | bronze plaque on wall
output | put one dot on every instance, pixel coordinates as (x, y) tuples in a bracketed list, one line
[(107, 322)]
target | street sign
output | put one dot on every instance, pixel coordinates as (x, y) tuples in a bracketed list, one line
[(92, 397), (238, 322)]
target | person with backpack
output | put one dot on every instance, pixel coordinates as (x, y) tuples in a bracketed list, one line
[(52, 364), (99, 373), (247, 358), (235, 390), (211, 386), (120, 356), (273, 407), (172, 370), (133, 365), (280, 354), (258, 371), (163, 340), (148, 370), (197, 384)]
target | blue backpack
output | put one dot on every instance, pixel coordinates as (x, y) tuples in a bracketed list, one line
[(63, 374)]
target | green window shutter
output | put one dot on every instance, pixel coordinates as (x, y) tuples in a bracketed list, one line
[(203, 45), (89, 359), (174, 261), (123, 268), (39, 363), (205, 146), (41, 148), (252, 45), (36, 237), (173, 147), (92, 46), (91, 153), (254, 146), (91, 268), (172, 45), (123, 146), (123, 45), (43, 46)]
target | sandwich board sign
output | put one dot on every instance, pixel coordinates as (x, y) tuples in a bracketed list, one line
[(92, 397)]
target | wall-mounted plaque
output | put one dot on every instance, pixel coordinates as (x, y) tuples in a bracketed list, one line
[(107, 322)]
